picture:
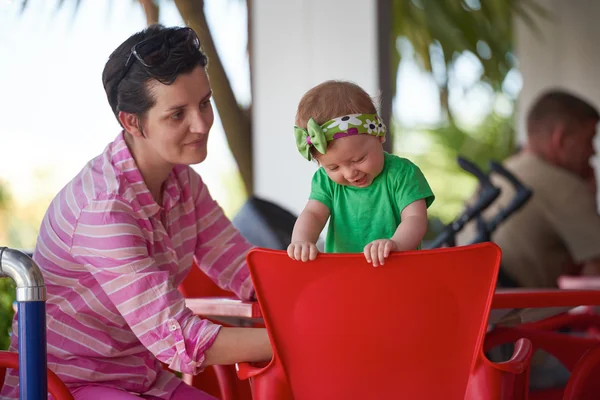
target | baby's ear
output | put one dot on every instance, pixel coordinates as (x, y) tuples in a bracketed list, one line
[(382, 139)]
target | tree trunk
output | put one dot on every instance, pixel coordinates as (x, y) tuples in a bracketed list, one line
[(248, 111), (151, 10), (384, 49), (236, 121), (445, 103)]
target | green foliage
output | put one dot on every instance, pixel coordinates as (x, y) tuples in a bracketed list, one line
[(4, 197), (7, 286), (451, 27), (439, 31), (493, 139), (7, 296)]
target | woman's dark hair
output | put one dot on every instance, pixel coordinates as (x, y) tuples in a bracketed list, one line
[(126, 85)]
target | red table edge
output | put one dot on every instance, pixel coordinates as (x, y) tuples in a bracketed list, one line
[(503, 299), (542, 298)]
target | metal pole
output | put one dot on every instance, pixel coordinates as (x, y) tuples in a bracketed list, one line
[(31, 299)]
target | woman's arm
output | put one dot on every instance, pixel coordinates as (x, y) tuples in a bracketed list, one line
[(137, 290), (233, 345)]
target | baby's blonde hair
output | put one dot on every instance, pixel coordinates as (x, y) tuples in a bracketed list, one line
[(332, 99)]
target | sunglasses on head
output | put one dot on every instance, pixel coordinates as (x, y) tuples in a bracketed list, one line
[(151, 53)]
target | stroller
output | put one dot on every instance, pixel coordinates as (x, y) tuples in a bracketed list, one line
[(487, 194)]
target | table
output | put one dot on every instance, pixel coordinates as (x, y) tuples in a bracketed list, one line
[(541, 298), (554, 301), (224, 307), (580, 282)]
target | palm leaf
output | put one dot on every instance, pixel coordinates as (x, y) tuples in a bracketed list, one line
[(456, 27), (61, 3)]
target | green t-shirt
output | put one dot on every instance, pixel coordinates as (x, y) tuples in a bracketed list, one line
[(361, 215)]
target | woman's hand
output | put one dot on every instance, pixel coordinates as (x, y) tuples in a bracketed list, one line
[(302, 251), (378, 250)]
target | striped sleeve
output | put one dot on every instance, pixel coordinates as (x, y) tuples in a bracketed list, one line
[(109, 242), (221, 250)]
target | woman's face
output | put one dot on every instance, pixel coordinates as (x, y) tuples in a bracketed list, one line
[(177, 126)]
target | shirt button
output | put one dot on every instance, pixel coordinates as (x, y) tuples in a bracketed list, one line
[(172, 326)]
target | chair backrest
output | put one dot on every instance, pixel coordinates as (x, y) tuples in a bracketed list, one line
[(412, 328)]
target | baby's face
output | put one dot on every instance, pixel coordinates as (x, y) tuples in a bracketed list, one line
[(353, 160)]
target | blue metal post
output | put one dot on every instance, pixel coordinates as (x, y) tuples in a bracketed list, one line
[(33, 382), (31, 300)]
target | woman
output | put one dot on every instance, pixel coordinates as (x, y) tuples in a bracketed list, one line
[(117, 241)]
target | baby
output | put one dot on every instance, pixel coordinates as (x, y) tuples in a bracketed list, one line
[(376, 202)]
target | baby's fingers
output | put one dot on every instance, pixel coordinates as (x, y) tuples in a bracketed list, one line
[(375, 254), (298, 252), (367, 252), (290, 251), (305, 252), (382, 254), (389, 246), (313, 252)]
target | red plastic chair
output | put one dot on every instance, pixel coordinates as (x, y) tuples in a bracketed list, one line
[(198, 284), (219, 381), (56, 387), (585, 383), (544, 335), (584, 282), (410, 329)]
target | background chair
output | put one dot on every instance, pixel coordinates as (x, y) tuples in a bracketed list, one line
[(553, 335), (265, 224), (584, 383), (56, 387)]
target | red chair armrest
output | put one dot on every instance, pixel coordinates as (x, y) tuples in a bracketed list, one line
[(520, 359), (505, 380), (268, 382), (56, 387), (246, 370), (9, 360)]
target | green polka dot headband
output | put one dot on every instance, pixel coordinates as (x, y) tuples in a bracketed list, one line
[(318, 136)]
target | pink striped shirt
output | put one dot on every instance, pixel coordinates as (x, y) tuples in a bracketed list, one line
[(112, 260)]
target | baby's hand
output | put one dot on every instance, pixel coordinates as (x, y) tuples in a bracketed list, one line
[(302, 251), (378, 250)]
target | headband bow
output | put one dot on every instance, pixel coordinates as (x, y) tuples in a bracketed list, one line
[(319, 135)]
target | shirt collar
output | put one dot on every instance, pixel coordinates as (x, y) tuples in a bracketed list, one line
[(123, 161)]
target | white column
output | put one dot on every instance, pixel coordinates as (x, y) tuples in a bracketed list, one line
[(296, 44)]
